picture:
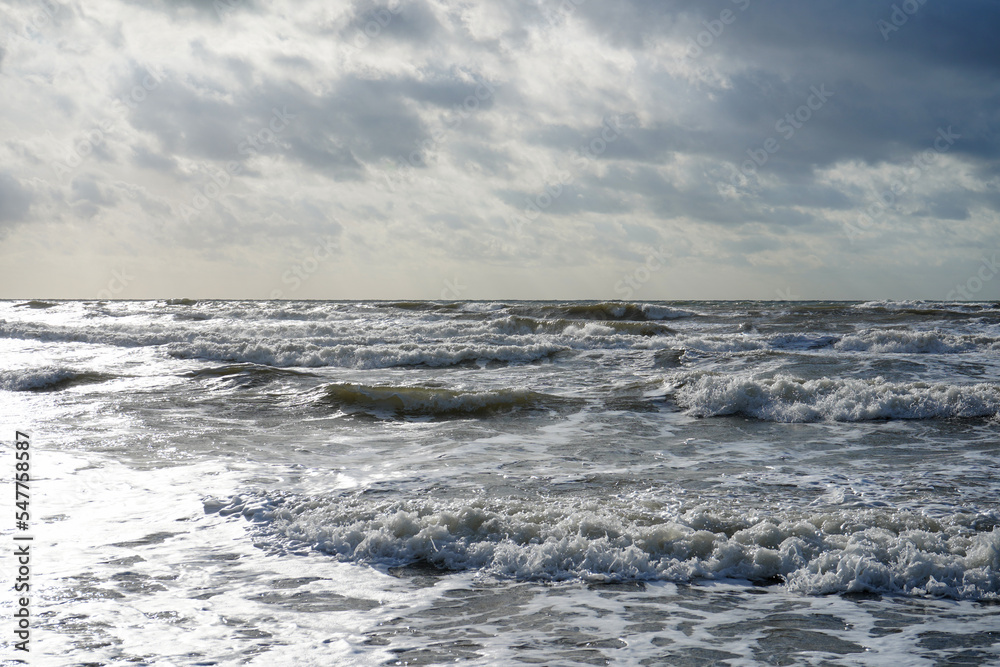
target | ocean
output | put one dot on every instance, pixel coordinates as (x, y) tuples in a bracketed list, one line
[(500, 483)]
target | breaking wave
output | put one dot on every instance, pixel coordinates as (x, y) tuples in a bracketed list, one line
[(524, 325), (608, 311), (312, 345), (787, 399), (928, 307), (304, 354), (915, 342), (874, 551)]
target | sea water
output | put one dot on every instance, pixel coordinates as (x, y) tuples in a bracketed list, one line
[(558, 483)]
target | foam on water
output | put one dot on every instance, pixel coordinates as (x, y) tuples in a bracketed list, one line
[(916, 342), (311, 483), (290, 345), (520, 325), (825, 552), (784, 398)]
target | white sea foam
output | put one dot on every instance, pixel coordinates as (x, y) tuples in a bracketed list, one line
[(883, 341), (787, 399), (284, 344), (310, 354), (835, 552), (915, 342), (657, 312)]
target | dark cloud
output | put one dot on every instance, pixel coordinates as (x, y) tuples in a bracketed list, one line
[(939, 68), (412, 21)]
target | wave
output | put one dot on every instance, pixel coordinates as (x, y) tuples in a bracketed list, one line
[(521, 325), (787, 399), (902, 310), (882, 341), (668, 358), (48, 379), (723, 343), (303, 354), (36, 304), (413, 401), (741, 342), (426, 305), (845, 551), (247, 375), (927, 305), (312, 345), (607, 311), (915, 342)]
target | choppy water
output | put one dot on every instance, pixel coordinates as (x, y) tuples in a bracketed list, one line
[(316, 483)]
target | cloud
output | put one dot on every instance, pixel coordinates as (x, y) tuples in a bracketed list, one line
[(755, 134), (15, 200)]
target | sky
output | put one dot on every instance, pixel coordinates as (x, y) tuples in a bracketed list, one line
[(545, 149)]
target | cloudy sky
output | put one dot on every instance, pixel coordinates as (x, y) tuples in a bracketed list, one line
[(641, 149)]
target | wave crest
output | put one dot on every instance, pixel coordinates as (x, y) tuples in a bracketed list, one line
[(48, 379), (914, 342), (787, 399), (822, 553), (398, 402)]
